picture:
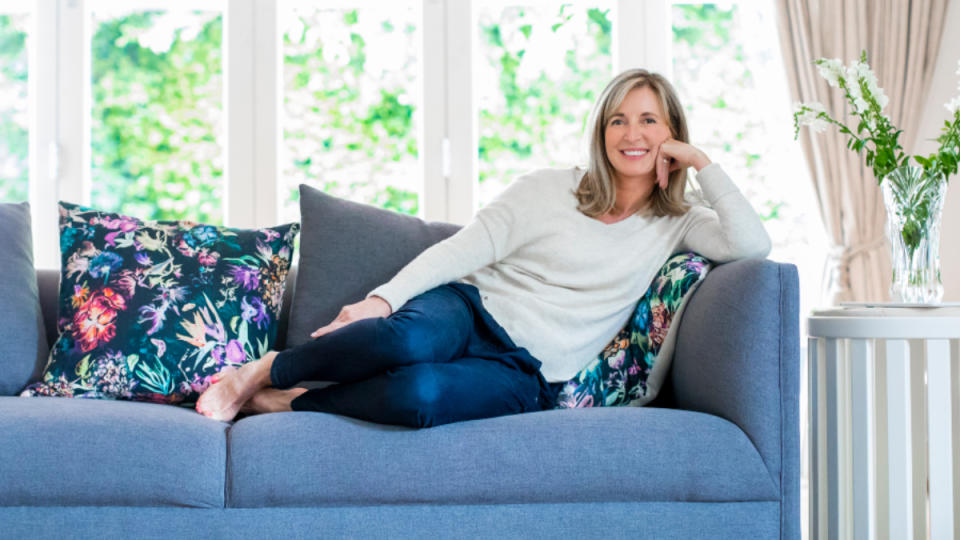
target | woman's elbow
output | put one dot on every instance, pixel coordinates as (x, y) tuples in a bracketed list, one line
[(758, 249)]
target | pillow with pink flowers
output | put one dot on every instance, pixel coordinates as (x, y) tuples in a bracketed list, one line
[(149, 310)]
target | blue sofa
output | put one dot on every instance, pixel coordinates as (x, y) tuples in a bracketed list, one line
[(716, 455)]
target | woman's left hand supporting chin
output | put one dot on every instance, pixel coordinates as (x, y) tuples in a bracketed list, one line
[(673, 155)]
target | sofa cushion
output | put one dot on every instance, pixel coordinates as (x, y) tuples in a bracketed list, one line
[(64, 452), (23, 346), (347, 249), (148, 311), (573, 455), (631, 368)]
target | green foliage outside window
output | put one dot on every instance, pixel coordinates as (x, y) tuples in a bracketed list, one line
[(14, 135), (719, 90), (157, 138), (350, 104), (535, 115), (156, 130)]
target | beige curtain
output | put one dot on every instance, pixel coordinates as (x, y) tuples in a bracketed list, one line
[(901, 38)]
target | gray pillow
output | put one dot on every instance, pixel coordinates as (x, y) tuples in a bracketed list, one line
[(23, 343), (348, 249)]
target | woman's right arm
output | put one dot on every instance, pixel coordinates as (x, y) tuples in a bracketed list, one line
[(492, 235), (470, 249)]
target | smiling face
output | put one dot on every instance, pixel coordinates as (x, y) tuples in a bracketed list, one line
[(632, 134)]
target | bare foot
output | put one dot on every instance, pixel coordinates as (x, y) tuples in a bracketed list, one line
[(233, 387), (270, 400)]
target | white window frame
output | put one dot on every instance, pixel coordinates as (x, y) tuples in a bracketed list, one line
[(60, 97)]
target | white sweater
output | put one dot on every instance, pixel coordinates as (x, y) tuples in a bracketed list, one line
[(563, 284)]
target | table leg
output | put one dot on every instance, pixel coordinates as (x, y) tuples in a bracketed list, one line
[(862, 431), (899, 440), (817, 475), (939, 430), (955, 409), (839, 524)]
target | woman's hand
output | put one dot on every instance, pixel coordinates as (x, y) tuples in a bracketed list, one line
[(673, 155), (366, 309)]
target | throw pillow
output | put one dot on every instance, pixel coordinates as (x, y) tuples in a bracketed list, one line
[(632, 367), (23, 343), (348, 249), (149, 311)]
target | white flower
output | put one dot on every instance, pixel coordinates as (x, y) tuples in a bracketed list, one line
[(819, 125), (852, 75), (810, 116), (881, 99), (853, 85), (864, 72), (953, 105), (862, 84), (814, 107), (831, 70), (871, 81)]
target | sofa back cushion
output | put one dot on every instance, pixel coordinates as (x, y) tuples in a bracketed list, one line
[(347, 249), (23, 345)]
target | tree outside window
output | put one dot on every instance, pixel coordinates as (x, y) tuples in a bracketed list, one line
[(539, 69), (157, 117), (14, 113)]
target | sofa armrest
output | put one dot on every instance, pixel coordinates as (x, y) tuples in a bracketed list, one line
[(738, 357)]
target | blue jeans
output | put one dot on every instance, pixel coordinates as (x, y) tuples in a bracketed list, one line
[(440, 358)]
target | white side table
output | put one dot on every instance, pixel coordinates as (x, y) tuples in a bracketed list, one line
[(884, 418)]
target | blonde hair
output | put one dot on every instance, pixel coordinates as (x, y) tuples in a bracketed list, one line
[(597, 191)]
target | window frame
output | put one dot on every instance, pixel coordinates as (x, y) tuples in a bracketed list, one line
[(60, 122)]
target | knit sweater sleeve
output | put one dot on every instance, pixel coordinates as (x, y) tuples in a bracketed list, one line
[(492, 235), (730, 228)]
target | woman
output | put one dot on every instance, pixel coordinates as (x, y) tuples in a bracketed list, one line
[(482, 323)]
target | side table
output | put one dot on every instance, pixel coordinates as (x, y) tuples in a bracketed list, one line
[(884, 411)]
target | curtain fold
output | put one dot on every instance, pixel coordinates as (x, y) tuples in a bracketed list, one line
[(902, 38)]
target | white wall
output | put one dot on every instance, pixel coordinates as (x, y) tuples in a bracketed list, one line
[(943, 89)]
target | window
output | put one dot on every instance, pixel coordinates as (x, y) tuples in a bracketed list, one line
[(351, 103), (539, 69), (157, 113), (216, 111), (729, 73), (14, 107)]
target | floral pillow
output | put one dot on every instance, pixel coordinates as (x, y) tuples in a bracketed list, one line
[(149, 310), (631, 368)]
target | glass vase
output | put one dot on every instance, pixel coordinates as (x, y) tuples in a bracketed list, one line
[(914, 203)]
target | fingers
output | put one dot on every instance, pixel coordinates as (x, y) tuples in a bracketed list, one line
[(335, 325), (662, 167), (322, 330), (366, 309), (665, 172)]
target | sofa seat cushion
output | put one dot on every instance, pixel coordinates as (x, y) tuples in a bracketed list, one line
[(572, 455), (74, 452)]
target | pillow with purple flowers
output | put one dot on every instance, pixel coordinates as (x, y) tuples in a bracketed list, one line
[(149, 310)]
